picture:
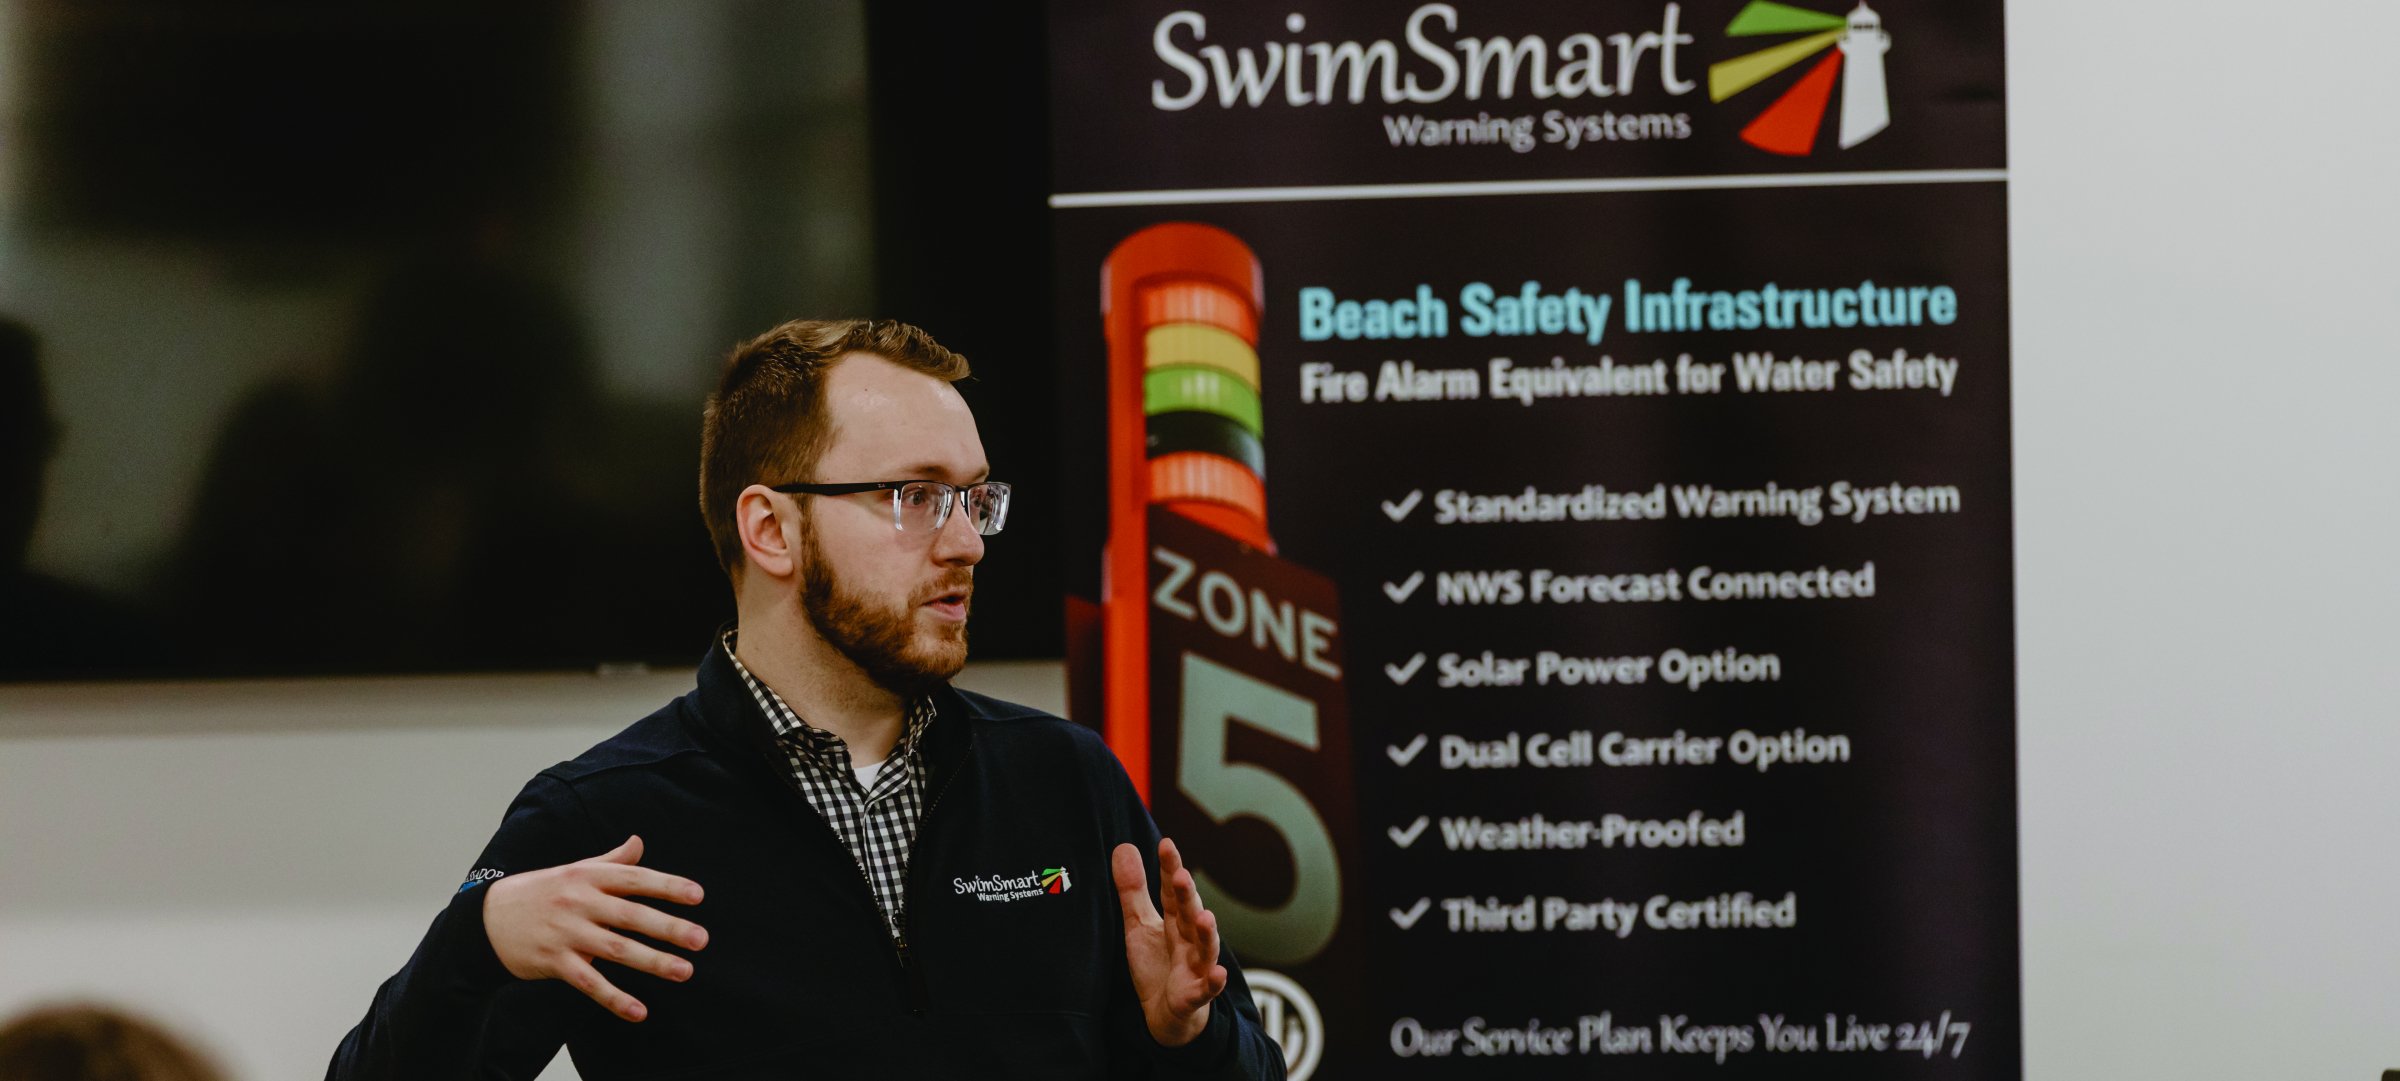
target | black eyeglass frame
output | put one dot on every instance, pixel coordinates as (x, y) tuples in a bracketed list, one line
[(957, 498)]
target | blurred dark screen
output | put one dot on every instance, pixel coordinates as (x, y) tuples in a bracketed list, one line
[(373, 337), (248, 121)]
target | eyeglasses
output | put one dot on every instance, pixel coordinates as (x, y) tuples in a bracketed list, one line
[(923, 506)]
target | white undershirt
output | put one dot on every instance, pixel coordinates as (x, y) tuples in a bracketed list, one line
[(866, 774)]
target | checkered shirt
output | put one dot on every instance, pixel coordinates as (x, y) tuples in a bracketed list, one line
[(878, 825)]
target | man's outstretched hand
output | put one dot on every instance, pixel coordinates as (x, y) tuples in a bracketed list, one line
[(1174, 956), (553, 923)]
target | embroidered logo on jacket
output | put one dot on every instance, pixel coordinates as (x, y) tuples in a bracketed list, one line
[(1048, 880), (479, 876)]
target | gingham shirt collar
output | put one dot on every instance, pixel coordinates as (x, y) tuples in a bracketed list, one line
[(819, 744)]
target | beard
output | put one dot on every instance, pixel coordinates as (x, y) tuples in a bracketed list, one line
[(880, 638)]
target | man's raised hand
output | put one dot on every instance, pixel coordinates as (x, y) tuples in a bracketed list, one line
[(553, 923), (1173, 956)]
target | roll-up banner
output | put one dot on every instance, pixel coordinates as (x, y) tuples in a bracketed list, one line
[(1541, 478)]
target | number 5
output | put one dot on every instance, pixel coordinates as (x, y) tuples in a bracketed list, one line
[(1214, 698)]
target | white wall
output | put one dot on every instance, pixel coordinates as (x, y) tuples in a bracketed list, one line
[(2206, 206), (2206, 209)]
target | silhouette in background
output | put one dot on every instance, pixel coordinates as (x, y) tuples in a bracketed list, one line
[(457, 496), (83, 1042), (49, 629)]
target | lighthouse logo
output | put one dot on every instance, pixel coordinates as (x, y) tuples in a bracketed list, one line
[(1853, 48)]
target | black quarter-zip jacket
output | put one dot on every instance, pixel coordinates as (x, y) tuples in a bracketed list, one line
[(1003, 968)]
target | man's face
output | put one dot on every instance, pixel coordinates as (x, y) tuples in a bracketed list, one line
[(895, 603)]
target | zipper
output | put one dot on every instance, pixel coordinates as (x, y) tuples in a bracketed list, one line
[(919, 998)]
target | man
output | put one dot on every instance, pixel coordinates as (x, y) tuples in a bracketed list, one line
[(825, 862)]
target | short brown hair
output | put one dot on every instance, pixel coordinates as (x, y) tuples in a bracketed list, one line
[(766, 423), (76, 1041)]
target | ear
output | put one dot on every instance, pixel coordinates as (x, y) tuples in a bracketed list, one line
[(767, 545)]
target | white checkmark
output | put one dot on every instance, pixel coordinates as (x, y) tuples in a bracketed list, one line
[(1399, 510), (1401, 673), (1415, 912), (1405, 755), (1407, 837), (1399, 593)]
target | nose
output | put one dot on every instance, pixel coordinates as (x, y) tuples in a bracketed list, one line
[(957, 544)]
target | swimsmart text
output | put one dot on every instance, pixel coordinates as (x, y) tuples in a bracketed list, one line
[(1444, 60), (997, 888)]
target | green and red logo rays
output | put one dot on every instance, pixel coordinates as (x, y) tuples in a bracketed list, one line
[(1853, 48)]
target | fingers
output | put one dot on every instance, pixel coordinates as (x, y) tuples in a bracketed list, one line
[(1172, 883), (645, 920), (1205, 943), (645, 882), (580, 975), (602, 945), (616, 873), (628, 853), (1189, 921), (1133, 888), (1181, 897), (1203, 988)]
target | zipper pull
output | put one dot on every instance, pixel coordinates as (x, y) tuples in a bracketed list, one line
[(919, 999)]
